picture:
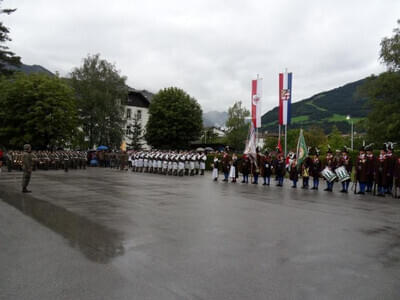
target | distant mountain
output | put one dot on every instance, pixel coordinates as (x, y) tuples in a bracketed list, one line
[(31, 69), (324, 110), (215, 118)]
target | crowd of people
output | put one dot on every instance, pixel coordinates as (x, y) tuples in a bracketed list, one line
[(46, 160), (377, 175)]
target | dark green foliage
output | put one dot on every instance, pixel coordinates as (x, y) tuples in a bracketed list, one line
[(7, 57), (383, 122), (101, 92), (324, 110), (135, 135), (175, 120), (237, 126), (36, 109)]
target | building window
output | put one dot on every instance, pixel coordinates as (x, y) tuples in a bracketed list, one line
[(128, 129), (128, 113), (139, 115)]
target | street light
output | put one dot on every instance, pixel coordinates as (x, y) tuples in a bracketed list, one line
[(352, 130)]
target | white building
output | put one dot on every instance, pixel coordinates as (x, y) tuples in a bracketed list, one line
[(137, 105)]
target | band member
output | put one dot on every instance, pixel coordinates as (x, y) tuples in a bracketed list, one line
[(390, 162), (203, 159), (346, 162), (361, 171), (225, 165), (370, 168), (330, 163), (233, 171), (397, 177), (280, 169), (305, 171), (215, 166), (316, 168), (380, 174), (245, 167), (267, 168), (293, 172), (256, 164)]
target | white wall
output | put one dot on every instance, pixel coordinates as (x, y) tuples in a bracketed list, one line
[(143, 121)]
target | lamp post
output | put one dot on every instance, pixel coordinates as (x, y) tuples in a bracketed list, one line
[(352, 130)]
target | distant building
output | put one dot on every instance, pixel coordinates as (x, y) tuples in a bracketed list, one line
[(137, 105)]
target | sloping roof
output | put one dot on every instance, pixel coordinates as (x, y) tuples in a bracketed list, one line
[(148, 95)]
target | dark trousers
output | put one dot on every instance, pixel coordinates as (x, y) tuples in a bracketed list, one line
[(26, 177)]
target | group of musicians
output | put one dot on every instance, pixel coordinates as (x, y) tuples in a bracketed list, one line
[(378, 175), (176, 163)]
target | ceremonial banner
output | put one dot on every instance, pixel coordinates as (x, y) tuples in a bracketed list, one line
[(302, 150), (285, 97), (256, 94)]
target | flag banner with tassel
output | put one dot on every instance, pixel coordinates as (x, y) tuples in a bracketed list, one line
[(302, 150), (256, 95)]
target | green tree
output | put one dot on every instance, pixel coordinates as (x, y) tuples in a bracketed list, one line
[(135, 134), (175, 120), (7, 57), (390, 50), (336, 140), (209, 136), (237, 126), (383, 92), (101, 92), (36, 109), (315, 137)]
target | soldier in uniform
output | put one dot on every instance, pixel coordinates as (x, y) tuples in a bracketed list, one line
[(266, 170), (331, 164), (27, 168), (280, 169), (361, 171), (370, 168), (380, 174), (245, 168), (225, 165), (255, 166), (397, 177), (10, 160), (215, 166), (305, 170), (390, 162), (203, 159), (345, 161), (316, 168), (233, 169), (293, 172)]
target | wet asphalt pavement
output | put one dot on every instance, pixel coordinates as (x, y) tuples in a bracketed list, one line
[(107, 234)]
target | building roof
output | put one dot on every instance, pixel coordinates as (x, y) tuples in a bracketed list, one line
[(140, 98)]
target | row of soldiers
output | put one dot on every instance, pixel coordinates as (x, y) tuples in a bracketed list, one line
[(47, 160), (176, 163), (378, 175)]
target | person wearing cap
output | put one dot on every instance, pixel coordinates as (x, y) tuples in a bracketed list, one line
[(280, 169), (316, 168), (266, 169), (390, 162), (370, 168), (345, 161), (361, 171), (380, 174), (225, 165), (330, 163), (27, 168), (397, 177), (245, 168)]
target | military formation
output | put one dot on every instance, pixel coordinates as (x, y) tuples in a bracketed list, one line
[(379, 175), (47, 160), (174, 163)]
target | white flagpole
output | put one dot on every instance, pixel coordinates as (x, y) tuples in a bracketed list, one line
[(285, 140)]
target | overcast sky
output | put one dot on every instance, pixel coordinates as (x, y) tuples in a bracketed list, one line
[(211, 49)]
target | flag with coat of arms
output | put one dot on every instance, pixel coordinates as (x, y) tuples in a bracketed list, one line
[(302, 150)]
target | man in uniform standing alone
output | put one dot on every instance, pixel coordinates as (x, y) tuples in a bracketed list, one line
[(27, 168)]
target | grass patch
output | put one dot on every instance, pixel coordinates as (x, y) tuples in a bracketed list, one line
[(311, 103), (299, 119)]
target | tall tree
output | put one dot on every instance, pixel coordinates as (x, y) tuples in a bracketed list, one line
[(36, 109), (7, 57), (101, 93), (383, 92), (237, 126), (135, 134), (175, 120)]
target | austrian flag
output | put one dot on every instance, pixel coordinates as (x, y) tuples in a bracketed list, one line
[(285, 97), (256, 94)]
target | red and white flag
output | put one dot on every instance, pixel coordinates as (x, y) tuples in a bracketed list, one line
[(256, 95), (285, 97)]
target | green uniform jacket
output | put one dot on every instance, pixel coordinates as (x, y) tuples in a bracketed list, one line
[(27, 162)]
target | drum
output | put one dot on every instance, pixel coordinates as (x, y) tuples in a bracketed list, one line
[(328, 174), (342, 174)]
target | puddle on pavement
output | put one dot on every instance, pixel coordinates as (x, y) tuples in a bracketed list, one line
[(97, 242)]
